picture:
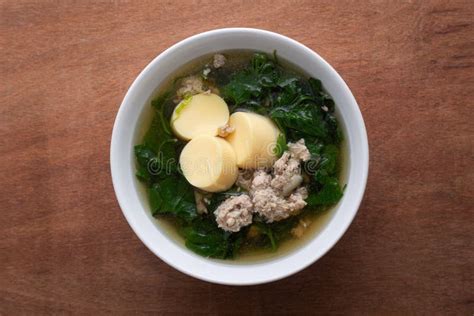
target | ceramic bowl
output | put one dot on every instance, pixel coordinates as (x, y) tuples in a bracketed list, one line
[(127, 129)]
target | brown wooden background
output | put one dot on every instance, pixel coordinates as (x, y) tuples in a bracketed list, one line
[(65, 246)]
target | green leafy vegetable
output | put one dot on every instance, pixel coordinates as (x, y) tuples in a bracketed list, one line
[(144, 154), (281, 145), (162, 124), (315, 149), (250, 87), (328, 164), (242, 88), (147, 161), (157, 155), (206, 239), (329, 194), (143, 174), (324, 178), (271, 234), (267, 231), (173, 196), (304, 118), (316, 86), (335, 132)]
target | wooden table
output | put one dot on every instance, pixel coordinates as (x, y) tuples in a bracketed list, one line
[(65, 246)]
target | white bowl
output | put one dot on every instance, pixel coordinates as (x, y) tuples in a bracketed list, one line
[(135, 207)]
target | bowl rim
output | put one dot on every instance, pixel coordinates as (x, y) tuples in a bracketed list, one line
[(203, 271)]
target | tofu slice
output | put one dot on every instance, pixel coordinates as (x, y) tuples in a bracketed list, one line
[(200, 114), (209, 163), (254, 139)]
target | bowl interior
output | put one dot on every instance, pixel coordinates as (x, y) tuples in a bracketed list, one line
[(127, 132), (319, 221)]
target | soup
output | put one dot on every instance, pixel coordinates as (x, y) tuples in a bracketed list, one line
[(243, 156)]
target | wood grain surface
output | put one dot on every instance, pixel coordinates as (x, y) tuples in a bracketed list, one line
[(65, 246)]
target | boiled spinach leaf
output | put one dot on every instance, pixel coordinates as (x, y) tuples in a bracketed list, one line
[(147, 163), (157, 155), (266, 230), (250, 87), (281, 145), (326, 189), (206, 239), (242, 88), (330, 192), (329, 160), (173, 196), (272, 234), (304, 118)]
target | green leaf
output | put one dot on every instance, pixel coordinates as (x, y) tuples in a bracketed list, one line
[(267, 231), (242, 88), (143, 175), (281, 145), (261, 64), (173, 196), (159, 146), (324, 187), (316, 86), (329, 160), (334, 130), (330, 193), (315, 149), (288, 82), (148, 163), (219, 197), (282, 229), (251, 85), (275, 57), (144, 154), (273, 233), (159, 104), (305, 118), (206, 239)]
